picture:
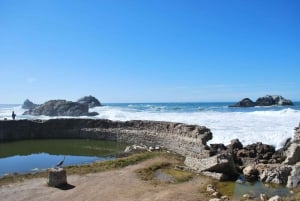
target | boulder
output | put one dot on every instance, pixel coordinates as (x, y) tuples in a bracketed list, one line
[(216, 148), (257, 152), (220, 163), (277, 174), (235, 144), (61, 108), (270, 100), (297, 135), (246, 102), (275, 198), (216, 175), (90, 101), (292, 154), (210, 188), (294, 178), (250, 173), (263, 197), (28, 105)]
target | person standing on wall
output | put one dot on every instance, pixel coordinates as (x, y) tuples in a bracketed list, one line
[(13, 115)]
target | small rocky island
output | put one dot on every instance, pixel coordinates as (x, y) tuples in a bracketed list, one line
[(62, 107), (268, 100)]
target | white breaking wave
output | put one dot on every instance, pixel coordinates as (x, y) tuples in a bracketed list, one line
[(270, 127)]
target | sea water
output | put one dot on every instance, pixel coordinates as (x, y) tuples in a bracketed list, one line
[(270, 125)]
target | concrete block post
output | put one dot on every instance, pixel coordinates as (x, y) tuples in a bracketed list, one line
[(57, 177)]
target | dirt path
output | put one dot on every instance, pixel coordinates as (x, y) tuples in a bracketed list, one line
[(113, 185)]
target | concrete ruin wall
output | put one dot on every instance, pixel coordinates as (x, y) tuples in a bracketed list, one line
[(186, 140)]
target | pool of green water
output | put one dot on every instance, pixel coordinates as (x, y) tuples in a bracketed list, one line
[(38, 155)]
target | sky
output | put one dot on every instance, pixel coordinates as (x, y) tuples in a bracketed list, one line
[(149, 50)]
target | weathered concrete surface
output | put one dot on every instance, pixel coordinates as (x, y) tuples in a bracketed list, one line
[(187, 140), (294, 178), (57, 177), (220, 163)]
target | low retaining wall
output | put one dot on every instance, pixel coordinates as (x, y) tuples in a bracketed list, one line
[(186, 140)]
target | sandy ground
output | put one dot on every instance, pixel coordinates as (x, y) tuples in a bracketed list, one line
[(114, 185)]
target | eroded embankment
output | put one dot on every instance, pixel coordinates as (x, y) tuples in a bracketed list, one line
[(186, 140)]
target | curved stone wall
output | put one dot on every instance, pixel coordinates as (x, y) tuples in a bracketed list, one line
[(187, 140)]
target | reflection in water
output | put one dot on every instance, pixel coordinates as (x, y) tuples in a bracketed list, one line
[(37, 155)]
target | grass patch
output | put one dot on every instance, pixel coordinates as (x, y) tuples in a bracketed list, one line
[(164, 171), (87, 168), (147, 173), (111, 164)]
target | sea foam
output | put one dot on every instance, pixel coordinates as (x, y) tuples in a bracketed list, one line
[(270, 127)]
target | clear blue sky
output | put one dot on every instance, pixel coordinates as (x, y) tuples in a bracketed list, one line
[(149, 50)]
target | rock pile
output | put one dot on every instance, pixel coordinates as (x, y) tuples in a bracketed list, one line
[(62, 107), (214, 194), (257, 161), (227, 162)]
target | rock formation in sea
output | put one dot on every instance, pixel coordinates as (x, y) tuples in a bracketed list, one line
[(246, 102), (90, 101), (28, 105), (63, 107), (268, 100)]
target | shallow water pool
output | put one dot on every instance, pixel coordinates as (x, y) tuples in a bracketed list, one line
[(38, 155)]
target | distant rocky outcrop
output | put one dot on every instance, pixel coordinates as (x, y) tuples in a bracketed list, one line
[(63, 107), (246, 102), (90, 101), (28, 105), (268, 100)]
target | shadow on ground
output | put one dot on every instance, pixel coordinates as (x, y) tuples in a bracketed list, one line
[(65, 187)]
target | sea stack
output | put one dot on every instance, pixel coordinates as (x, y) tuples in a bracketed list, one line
[(268, 100), (63, 107)]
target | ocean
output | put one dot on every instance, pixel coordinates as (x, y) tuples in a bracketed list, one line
[(270, 125)]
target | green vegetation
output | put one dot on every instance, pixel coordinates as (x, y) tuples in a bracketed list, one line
[(147, 174), (225, 188), (165, 172), (179, 175)]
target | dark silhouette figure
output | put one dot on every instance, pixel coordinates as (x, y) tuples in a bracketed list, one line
[(13, 115), (59, 164)]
